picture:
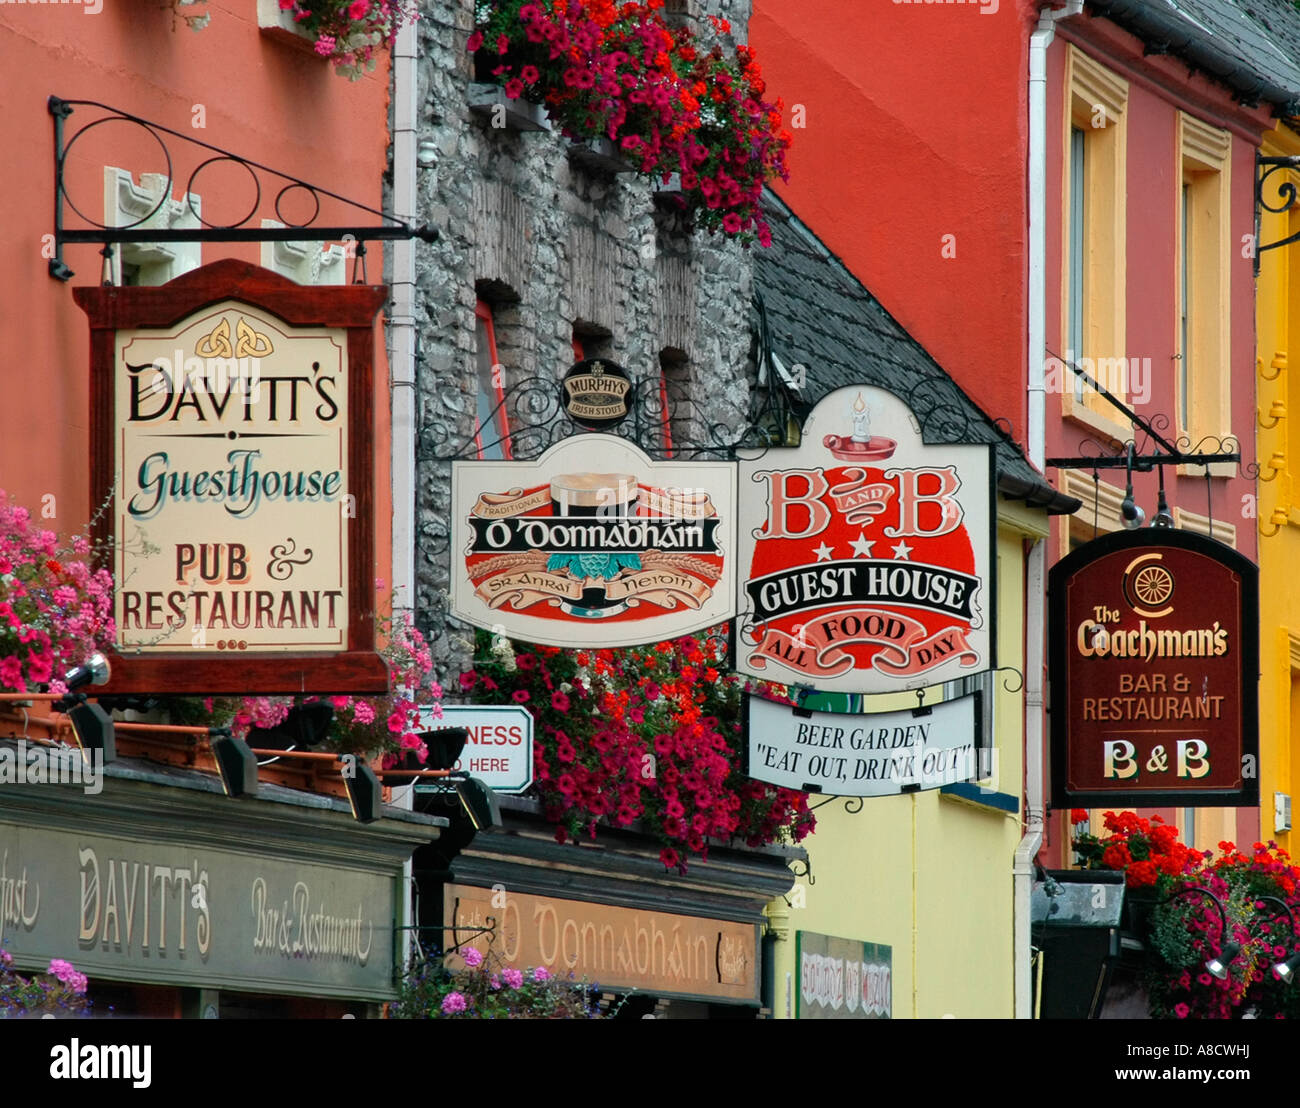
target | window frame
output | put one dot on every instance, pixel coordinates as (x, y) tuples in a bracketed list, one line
[(1092, 91), (1203, 385), (483, 312)]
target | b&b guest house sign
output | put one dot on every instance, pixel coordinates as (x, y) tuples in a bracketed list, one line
[(866, 554), (593, 543), (232, 423)]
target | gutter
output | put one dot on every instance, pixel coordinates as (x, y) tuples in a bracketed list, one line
[(1036, 569), (1038, 494), (401, 377), (1168, 31)]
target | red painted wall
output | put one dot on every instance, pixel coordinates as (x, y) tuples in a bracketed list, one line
[(268, 101), (916, 128)]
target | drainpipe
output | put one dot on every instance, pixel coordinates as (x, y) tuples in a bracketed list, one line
[(401, 376), (1035, 580)]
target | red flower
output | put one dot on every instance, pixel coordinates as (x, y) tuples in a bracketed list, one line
[(1078, 815), (519, 696)]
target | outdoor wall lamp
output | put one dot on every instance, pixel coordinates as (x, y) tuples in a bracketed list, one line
[(236, 763), (1219, 963), (94, 671), (1164, 518), (1285, 971), (1130, 514)]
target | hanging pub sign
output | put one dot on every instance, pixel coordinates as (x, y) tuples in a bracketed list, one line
[(1154, 669), (865, 554), (593, 544), (233, 431), (595, 394), (881, 754)]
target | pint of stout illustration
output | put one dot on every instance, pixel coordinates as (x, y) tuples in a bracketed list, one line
[(593, 494)]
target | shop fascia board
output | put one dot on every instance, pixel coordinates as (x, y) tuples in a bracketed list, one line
[(171, 805)]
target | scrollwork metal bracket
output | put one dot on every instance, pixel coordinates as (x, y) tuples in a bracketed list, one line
[(241, 231)]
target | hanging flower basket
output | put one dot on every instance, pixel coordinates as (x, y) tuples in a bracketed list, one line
[(350, 33), (670, 101), (496, 109)]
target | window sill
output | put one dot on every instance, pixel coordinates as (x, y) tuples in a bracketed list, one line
[(1078, 412), (599, 155), (279, 25), (500, 112)]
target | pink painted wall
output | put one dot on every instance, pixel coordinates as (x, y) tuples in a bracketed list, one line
[(268, 101)]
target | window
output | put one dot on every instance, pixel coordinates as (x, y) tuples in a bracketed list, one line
[(1094, 224), (1204, 260), (492, 429), (127, 204), (1100, 512)]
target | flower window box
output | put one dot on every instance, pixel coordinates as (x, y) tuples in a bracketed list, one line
[(490, 103), (279, 24), (598, 155)]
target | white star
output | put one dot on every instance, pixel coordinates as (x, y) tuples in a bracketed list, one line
[(902, 550), (823, 552), (861, 545)]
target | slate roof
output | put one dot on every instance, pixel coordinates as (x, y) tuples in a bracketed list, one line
[(820, 316), (1252, 46)]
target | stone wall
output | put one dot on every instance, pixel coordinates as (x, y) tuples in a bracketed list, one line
[(553, 248)]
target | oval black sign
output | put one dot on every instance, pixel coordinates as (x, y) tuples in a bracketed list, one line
[(595, 393)]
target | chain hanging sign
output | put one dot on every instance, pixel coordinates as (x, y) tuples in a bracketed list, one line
[(1154, 667), (593, 544), (866, 554), (233, 426)]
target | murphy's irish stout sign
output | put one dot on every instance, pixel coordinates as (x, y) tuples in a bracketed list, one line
[(235, 435), (593, 543), (865, 554), (1154, 664)]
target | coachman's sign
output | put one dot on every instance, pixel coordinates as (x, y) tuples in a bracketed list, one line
[(866, 554), (233, 430), (1154, 665)]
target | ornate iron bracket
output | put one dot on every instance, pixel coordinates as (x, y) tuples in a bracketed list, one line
[(1142, 462), (60, 109), (1265, 167)]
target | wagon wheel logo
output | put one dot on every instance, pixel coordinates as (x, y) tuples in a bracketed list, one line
[(1148, 585)]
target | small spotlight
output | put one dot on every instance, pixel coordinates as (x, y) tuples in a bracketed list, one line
[(479, 802), (93, 728), (1285, 971), (364, 793), (445, 746), (237, 764), (95, 671), (1219, 964)]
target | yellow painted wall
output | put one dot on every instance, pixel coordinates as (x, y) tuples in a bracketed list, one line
[(928, 874), (1278, 357)]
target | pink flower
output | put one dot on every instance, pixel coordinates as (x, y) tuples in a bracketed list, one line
[(520, 696), (513, 977), (540, 974), (475, 41), (356, 10), (397, 721), (1182, 1011), (363, 713), (452, 1003), (325, 45), (473, 957)]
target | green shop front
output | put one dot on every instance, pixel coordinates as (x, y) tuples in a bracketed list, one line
[(177, 901)]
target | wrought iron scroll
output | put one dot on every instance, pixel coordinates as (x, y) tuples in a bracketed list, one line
[(264, 181), (1287, 196)]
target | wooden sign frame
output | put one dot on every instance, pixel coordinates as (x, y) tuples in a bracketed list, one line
[(359, 668)]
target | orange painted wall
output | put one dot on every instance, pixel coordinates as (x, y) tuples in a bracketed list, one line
[(916, 128), (269, 101)]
